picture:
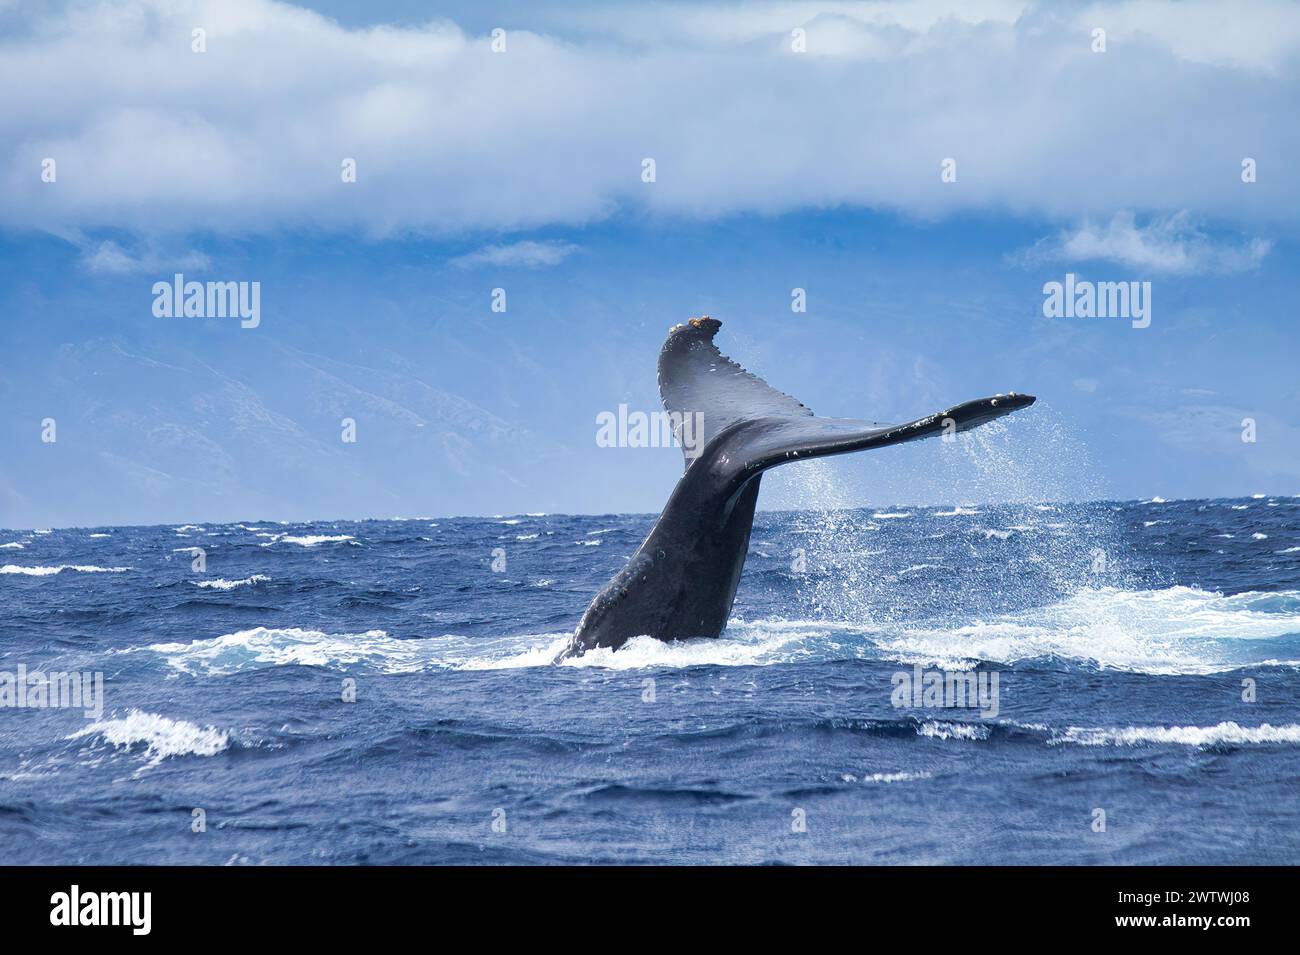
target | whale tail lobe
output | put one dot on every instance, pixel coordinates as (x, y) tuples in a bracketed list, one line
[(766, 427)]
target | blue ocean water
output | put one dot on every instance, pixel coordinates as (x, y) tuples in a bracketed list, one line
[(1121, 634)]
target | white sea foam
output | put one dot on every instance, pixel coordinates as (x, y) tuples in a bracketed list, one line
[(956, 512), (12, 545), (891, 515), (1290, 550), (161, 737), (270, 646), (902, 777), (311, 540), (39, 571), (1178, 630), (1227, 732), (1259, 537), (1171, 631), (220, 583), (965, 731)]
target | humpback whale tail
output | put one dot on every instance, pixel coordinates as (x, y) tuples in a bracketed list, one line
[(695, 377), (682, 580)]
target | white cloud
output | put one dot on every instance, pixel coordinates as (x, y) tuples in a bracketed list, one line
[(450, 137), (1171, 244), (519, 254), (109, 257)]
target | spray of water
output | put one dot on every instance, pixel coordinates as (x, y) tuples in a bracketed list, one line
[(1029, 476)]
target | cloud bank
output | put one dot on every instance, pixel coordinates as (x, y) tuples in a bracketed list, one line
[(450, 137), (1169, 244), (527, 254)]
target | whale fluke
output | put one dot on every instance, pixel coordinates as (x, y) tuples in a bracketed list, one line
[(694, 377), (682, 580)]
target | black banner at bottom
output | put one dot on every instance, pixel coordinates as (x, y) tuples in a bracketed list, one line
[(333, 905)]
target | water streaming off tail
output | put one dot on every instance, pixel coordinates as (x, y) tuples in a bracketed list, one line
[(991, 535)]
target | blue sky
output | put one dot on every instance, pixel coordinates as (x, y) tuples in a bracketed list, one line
[(522, 170)]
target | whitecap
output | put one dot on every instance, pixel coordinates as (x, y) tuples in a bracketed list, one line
[(1177, 630), (311, 540), (220, 583), (161, 737), (900, 777), (273, 646), (1226, 732), (965, 731)]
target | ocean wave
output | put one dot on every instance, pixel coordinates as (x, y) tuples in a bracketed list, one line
[(220, 583), (1229, 733), (900, 777), (311, 540), (1178, 630), (160, 736), (39, 571), (12, 545), (293, 646), (934, 729)]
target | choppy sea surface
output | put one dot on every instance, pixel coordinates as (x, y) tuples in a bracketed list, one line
[(1147, 656)]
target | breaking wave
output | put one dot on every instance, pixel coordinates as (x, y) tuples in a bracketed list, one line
[(157, 737), (1174, 631)]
